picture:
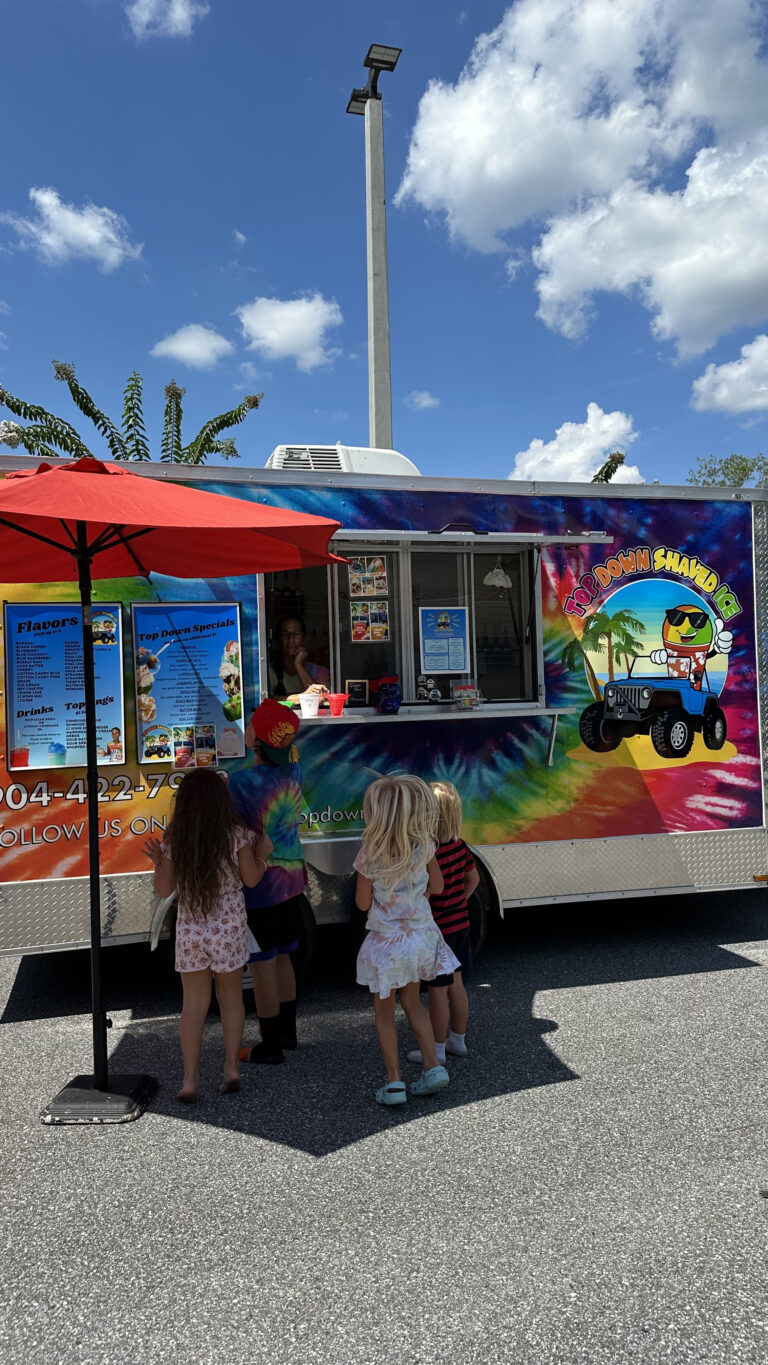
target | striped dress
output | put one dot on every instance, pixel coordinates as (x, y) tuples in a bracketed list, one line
[(450, 907)]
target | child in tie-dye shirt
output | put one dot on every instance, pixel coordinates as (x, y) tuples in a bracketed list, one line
[(268, 798)]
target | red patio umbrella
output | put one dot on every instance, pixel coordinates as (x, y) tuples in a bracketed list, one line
[(85, 519)]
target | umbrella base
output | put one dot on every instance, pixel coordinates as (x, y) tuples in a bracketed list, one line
[(80, 1101)]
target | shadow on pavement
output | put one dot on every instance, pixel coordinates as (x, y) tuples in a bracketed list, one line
[(322, 1100)]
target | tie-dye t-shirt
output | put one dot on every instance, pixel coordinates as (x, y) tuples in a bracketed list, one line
[(268, 799)]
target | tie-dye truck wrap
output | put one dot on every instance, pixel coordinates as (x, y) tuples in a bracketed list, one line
[(637, 768)]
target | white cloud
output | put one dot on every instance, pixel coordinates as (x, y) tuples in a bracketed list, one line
[(579, 449), (739, 385), (697, 256), (61, 232), (581, 112), (3, 342), (291, 329), (239, 237), (421, 398), (248, 376), (195, 345), (5, 308), (164, 18)]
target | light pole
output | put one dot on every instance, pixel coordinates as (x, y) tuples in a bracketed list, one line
[(368, 102)]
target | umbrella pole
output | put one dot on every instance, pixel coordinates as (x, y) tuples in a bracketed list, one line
[(96, 1098), (98, 1014)]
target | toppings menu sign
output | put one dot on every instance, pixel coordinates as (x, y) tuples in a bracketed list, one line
[(44, 672), (188, 682)]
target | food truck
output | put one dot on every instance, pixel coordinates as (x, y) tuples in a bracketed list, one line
[(586, 663)]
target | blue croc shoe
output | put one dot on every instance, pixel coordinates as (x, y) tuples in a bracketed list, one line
[(394, 1093), (429, 1081)]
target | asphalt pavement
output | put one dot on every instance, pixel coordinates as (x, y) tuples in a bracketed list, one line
[(592, 1187)]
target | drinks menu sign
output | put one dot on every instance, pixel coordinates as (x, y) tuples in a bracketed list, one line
[(189, 683), (45, 701)]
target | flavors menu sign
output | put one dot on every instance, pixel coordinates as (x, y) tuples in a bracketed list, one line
[(45, 706)]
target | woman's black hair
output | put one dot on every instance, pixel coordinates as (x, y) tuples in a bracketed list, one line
[(276, 649)]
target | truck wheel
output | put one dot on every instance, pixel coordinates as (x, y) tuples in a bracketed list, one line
[(595, 732), (714, 728), (672, 734)]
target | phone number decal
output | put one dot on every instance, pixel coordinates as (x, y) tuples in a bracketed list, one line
[(118, 788)]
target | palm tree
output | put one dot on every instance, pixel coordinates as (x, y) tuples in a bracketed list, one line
[(589, 640), (616, 630), (49, 436)]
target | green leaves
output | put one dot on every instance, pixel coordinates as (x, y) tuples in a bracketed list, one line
[(170, 443), (82, 399), (134, 433), (730, 471), (606, 471), (51, 430), (49, 435), (205, 442)]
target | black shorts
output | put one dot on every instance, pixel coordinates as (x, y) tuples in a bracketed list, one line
[(459, 943), (275, 928)]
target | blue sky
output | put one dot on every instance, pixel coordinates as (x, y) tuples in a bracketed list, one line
[(578, 203)]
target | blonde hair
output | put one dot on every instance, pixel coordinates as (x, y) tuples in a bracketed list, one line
[(400, 829), (449, 812)]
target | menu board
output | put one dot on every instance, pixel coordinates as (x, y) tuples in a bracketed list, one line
[(443, 637), (188, 682), (45, 699)]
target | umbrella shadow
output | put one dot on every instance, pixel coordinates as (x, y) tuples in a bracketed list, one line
[(322, 1099)]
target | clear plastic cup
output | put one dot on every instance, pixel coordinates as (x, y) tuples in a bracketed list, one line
[(336, 702), (19, 756), (309, 702)]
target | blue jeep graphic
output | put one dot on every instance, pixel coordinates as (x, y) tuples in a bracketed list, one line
[(671, 710)]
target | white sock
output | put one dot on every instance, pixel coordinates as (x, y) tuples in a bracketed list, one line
[(440, 1053), (455, 1044)]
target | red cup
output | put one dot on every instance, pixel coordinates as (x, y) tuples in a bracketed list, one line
[(20, 757), (336, 702)]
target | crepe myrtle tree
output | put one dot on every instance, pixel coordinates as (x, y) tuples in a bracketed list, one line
[(606, 471), (49, 436)]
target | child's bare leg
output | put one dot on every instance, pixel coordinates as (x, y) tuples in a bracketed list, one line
[(286, 978), (197, 998), (384, 1013), (419, 1022), (265, 987), (439, 1013), (229, 993), (459, 1004)]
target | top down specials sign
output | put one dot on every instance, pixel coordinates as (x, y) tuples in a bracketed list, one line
[(188, 682), (45, 702)]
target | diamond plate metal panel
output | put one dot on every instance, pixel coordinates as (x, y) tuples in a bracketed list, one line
[(55, 914), (585, 868)]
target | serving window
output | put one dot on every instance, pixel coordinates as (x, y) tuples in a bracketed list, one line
[(440, 616)]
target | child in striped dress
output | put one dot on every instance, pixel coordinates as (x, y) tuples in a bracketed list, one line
[(448, 1003)]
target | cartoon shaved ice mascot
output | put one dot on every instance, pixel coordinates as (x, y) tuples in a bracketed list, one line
[(690, 638)]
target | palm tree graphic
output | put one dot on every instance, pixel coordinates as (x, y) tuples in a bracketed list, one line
[(605, 633)]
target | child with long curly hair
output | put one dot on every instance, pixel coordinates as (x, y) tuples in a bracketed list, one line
[(396, 872), (206, 857)]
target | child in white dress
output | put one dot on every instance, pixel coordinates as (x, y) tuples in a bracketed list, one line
[(396, 871)]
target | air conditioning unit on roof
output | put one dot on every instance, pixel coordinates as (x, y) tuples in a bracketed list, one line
[(344, 459)]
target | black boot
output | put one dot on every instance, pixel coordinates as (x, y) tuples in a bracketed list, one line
[(287, 1018), (270, 1048)]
